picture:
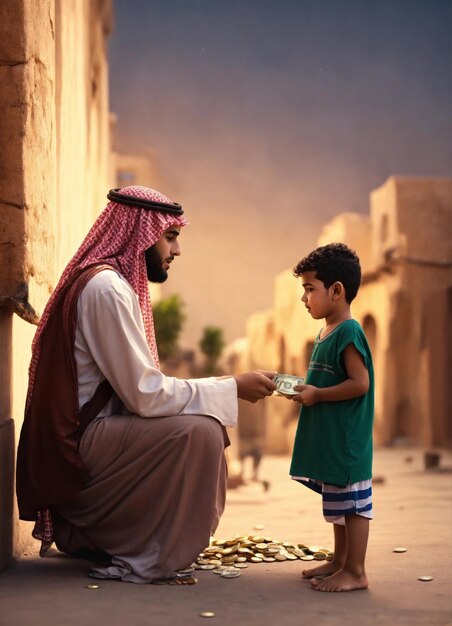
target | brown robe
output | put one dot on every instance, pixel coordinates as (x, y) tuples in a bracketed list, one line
[(49, 468), (148, 491)]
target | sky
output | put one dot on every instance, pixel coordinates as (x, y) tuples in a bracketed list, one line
[(266, 118)]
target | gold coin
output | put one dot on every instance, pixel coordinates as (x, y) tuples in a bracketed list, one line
[(207, 566), (186, 581), (241, 559), (280, 557), (269, 559), (297, 552), (271, 550), (240, 539), (314, 549), (400, 550), (220, 569), (207, 614), (184, 572), (230, 574), (256, 559), (229, 559), (257, 539), (307, 557), (425, 579), (261, 546), (241, 565), (291, 557), (92, 586), (215, 562)]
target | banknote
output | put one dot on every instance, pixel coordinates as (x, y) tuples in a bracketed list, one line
[(285, 384)]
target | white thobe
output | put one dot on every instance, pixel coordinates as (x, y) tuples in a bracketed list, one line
[(110, 342)]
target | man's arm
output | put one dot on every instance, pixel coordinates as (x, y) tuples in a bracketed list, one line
[(110, 321)]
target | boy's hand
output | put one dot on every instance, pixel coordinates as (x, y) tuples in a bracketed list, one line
[(307, 395)]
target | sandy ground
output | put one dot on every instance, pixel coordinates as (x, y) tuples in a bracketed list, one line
[(413, 509)]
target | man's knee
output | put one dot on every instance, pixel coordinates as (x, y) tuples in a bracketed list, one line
[(205, 432)]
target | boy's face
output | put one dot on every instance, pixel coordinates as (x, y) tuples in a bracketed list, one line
[(318, 300)]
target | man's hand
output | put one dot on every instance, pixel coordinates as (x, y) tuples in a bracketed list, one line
[(307, 394), (254, 386)]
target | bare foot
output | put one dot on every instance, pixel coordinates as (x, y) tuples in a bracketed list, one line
[(341, 581), (328, 568)]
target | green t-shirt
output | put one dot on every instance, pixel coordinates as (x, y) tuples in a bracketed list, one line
[(333, 442)]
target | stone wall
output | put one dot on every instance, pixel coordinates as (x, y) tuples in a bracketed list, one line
[(54, 170)]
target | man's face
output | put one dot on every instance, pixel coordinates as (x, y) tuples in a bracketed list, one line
[(161, 254)]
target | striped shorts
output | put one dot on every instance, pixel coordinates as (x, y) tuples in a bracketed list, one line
[(353, 499)]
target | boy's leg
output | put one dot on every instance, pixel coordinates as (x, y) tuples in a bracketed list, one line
[(330, 567), (257, 456), (352, 575)]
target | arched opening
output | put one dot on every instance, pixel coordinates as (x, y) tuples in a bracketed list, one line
[(384, 228), (370, 330)]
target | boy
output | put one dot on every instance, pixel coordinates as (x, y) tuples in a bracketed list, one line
[(333, 445)]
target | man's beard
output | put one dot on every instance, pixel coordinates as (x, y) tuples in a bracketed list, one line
[(154, 266)]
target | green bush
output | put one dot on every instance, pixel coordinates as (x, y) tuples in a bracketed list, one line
[(169, 318), (211, 345)]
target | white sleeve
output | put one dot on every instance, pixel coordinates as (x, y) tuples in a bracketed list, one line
[(110, 321)]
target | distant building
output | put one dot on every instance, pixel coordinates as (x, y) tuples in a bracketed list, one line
[(404, 306), (134, 170)]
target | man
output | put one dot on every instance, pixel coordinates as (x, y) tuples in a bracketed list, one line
[(114, 456)]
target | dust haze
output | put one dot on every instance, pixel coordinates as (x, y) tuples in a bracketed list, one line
[(265, 120)]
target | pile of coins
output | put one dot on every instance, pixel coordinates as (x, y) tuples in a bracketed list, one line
[(182, 577), (227, 557)]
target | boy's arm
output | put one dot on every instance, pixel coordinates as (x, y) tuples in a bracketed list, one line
[(357, 383)]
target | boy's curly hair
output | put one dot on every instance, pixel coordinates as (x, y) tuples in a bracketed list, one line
[(331, 263)]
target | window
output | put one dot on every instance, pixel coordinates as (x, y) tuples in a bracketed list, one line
[(370, 330), (384, 228)]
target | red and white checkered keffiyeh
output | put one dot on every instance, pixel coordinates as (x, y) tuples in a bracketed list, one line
[(119, 238)]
